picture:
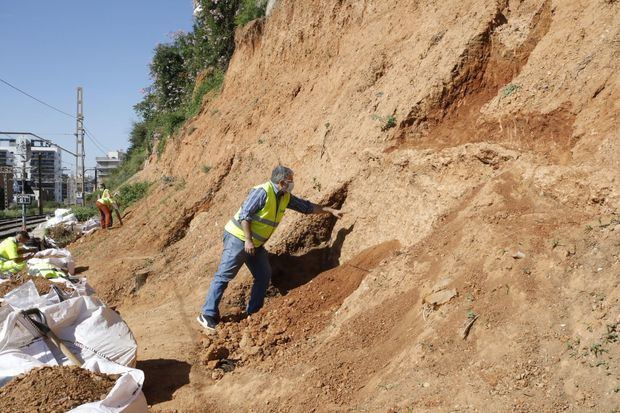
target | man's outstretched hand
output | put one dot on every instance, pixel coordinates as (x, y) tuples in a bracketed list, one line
[(335, 212)]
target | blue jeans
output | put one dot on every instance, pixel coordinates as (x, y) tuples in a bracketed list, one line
[(233, 257)]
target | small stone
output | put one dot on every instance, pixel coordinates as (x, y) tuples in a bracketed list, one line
[(217, 353), (440, 297), (426, 384), (246, 341), (253, 351), (518, 255)]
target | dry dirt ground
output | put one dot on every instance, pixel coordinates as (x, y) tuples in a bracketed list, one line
[(474, 146)]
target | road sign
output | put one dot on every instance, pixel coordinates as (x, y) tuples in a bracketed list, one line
[(23, 199), (23, 150)]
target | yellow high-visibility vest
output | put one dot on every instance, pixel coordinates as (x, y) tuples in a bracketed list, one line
[(8, 254), (106, 198), (8, 249), (265, 221)]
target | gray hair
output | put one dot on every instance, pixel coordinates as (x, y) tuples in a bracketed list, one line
[(280, 173)]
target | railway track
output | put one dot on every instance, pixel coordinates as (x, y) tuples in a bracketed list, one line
[(8, 226)]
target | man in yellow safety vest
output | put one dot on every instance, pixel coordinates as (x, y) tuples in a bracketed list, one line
[(105, 204), (244, 238), (12, 255)]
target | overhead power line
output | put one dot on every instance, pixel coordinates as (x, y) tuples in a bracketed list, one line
[(96, 142), (37, 99)]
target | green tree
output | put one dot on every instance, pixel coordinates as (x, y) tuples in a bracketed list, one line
[(174, 95), (169, 76)]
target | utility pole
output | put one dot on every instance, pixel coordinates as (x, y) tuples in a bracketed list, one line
[(79, 138)]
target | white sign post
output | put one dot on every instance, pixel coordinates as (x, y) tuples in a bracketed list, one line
[(23, 153)]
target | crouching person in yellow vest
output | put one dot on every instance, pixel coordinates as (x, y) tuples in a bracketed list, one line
[(12, 255), (244, 238), (106, 204)]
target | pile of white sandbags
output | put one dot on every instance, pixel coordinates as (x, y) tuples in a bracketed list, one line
[(61, 216), (94, 333)]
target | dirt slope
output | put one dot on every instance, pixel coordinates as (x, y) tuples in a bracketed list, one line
[(498, 180)]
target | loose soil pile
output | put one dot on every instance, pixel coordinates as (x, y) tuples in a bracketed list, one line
[(296, 316), (43, 284), (54, 390)]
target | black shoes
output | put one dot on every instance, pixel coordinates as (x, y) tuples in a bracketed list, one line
[(207, 322)]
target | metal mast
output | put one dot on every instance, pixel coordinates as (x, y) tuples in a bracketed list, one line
[(79, 136)]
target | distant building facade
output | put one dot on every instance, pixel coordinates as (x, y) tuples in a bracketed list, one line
[(107, 164), (44, 158), (6, 178)]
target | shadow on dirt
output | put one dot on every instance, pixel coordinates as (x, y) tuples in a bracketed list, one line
[(162, 378), (234, 318), (79, 270), (292, 271)]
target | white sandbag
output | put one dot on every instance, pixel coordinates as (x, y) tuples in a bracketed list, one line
[(91, 224), (58, 257), (54, 253), (13, 363), (65, 264), (50, 242), (53, 222), (31, 296), (68, 219), (125, 397), (88, 327), (26, 296), (61, 212)]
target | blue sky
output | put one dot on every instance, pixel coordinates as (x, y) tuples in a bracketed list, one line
[(48, 48)]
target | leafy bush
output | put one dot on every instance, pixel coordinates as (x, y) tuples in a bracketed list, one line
[(84, 213), (250, 10), (390, 122), (128, 194), (213, 81), (509, 89)]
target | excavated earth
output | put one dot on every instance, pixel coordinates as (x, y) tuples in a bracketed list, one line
[(474, 147), (54, 390), (43, 285)]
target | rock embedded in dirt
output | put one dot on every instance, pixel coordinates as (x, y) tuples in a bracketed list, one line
[(440, 297), (54, 389)]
